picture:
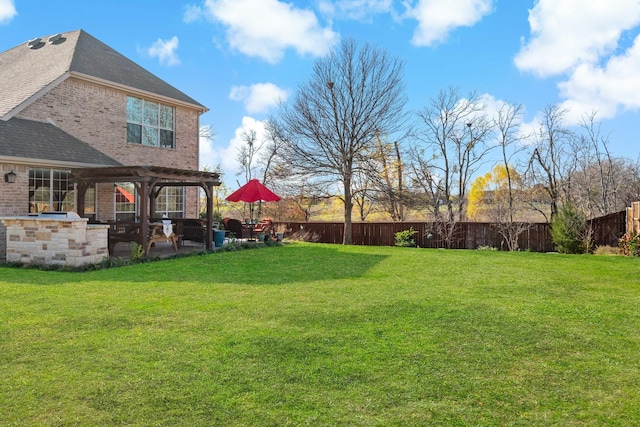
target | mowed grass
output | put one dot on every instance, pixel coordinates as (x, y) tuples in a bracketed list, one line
[(325, 335)]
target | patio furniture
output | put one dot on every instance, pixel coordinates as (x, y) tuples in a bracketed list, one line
[(123, 232), (162, 232), (263, 227), (194, 230), (239, 230)]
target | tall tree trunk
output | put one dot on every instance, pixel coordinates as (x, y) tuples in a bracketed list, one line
[(400, 193), (348, 208)]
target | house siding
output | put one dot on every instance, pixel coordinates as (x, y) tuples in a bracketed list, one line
[(14, 198), (97, 115)]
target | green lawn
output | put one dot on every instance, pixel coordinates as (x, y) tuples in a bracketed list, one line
[(325, 335)]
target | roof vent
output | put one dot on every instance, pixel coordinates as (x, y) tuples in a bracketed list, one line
[(56, 38), (36, 43)]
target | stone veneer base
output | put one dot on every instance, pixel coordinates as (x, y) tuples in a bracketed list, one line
[(55, 241)]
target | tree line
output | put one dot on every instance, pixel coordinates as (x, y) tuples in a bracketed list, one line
[(346, 134)]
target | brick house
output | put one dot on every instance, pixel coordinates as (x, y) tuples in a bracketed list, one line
[(70, 101)]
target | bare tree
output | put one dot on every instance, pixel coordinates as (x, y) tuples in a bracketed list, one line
[(632, 191), (274, 139), (506, 221), (386, 173), (305, 199), (363, 195), (597, 180), (247, 156), (553, 160), (451, 147), (219, 193), (207, 132), (248, 153), (266, 155), (353, 94), (426, 185)]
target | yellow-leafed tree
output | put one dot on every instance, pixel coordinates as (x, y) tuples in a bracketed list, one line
[(500, 197), (492, 198)]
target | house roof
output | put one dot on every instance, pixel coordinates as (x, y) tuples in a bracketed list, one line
[(31, 69), (38, 142)]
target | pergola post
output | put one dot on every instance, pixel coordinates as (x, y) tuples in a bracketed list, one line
[(143, 200), (209, 192), (80, 197)]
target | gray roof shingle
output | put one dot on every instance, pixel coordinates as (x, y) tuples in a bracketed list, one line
[(29, 139), (25, 71)]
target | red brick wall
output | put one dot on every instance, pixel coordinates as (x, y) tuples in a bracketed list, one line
[(14, 198), (97, 115)]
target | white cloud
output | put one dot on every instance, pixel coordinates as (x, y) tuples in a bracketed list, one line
[(566, 33), (491, 105), (354, 9), (605, 89), (192, 13), (259, 97), (585, 44), (524, 130), (437, 18), (7, 11), (266, 28), (211, 156), (165, 51)]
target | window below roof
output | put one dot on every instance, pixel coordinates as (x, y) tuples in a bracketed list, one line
[(150, 123), (51, 190), (124, 197), (170, 202)]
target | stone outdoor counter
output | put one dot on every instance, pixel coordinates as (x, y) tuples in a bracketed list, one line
[(61, 238)]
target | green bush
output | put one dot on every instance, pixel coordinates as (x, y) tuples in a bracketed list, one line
[(569, 230), (405, 238), (136, 251)]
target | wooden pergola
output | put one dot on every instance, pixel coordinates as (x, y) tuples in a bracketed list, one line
[(148, 180)]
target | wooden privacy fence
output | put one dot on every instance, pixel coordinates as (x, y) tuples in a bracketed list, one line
[(466, 235), (608, 229), (633, 218)]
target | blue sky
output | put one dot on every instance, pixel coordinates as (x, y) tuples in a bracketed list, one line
[(237, 57)]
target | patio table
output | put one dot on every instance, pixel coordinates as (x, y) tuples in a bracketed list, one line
[(158, 235)]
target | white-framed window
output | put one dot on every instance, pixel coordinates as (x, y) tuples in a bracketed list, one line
[(170, 202), (90, 198), (124, 201), (50, 190), (150, 123)]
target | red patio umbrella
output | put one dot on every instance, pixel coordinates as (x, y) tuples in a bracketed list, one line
[(253, 191)]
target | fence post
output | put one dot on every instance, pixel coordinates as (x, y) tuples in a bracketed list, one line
[(633, 218)]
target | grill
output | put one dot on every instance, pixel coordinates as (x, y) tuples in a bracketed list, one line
[(58, 215)]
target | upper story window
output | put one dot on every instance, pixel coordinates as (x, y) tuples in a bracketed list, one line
[(150, 123)]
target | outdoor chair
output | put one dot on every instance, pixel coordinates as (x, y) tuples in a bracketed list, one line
[(263, 226), (194, 230), (123, 232), (235, 227)]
